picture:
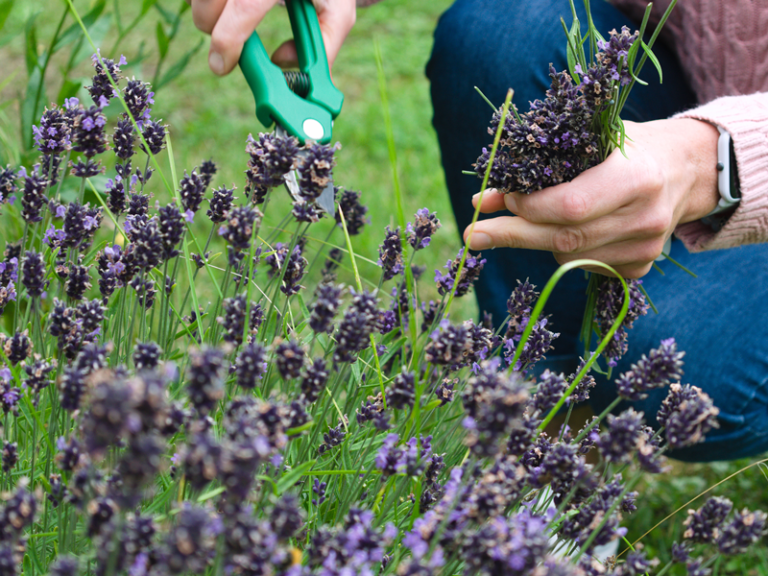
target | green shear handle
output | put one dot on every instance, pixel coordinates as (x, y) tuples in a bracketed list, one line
[(308, 118)]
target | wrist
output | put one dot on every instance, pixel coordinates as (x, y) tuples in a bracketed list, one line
[(700, 141)]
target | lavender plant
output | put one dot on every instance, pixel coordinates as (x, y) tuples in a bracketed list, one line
[(247, 420)]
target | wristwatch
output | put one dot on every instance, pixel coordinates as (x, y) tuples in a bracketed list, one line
[(727, 181)]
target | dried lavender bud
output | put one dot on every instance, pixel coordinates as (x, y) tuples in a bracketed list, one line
[(746, 529), (89, 136), (295, 267), (402, 393), (289, 358), (33, 197), (703, 525), (138, 97), (10, 456), (205, 379), (444, 391), (473, 265), (332, 438), (145, 292), (78, 282), (354, 212), (220, 203), (124, 139), (316, 169), (53, 134), (271, 158), (549, 390), (101, 86), (687, 414), (146, 355), (328, 299), (306, 212), (154, 135), (391, 254), (423, 228), (171, 229), (621, 437), (449, 345), (662, 366), (359, 322), (610, 297), (313, 379), (238, 229)]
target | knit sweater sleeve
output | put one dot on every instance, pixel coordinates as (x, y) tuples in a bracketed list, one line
[(746, 120)]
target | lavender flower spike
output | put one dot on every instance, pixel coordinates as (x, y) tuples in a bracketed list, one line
[(662, 366)]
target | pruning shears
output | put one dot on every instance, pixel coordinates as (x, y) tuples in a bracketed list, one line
[(301, 104)]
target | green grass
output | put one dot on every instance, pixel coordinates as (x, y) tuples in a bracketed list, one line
[(211, 118)]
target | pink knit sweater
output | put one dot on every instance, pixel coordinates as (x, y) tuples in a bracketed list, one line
[(723, 49)]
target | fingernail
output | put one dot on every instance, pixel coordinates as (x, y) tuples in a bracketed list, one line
[(216, 62), (509, 202), (480, 241)]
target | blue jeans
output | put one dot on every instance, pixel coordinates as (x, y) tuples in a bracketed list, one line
[(719, 318)]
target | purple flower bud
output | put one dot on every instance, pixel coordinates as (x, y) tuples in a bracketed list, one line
[(402, 393), (470, 272), (289, 358), (220, 203), (105, 69), (703, 525), (746, 528), (354, 212), (687, 414), (621, 437), (250, 365), (205, 378), (420, 232), (313, 379), (154, 135), (391, 254), (662, 366), (325, 308)]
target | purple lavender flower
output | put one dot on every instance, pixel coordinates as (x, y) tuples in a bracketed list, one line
[(316, 169), (613, 54), (313, 379), (402, 393), (318, 488), (289, 358), (116, 195), (101, 86), (238, 229), (220, 204), (623, 433), (78, 282), (146, 355), (389, 458), (662, 366), (10, 456), (354, 212), (33, 197), (648, 452), (703, 525), (250, 365), (295, 267), (191, 191), (53, 135), (138, 97), (746, 529), (473, 265), (359, 322), (687, 414), (233, 320), (681, 553), (39, 374), (72, 388), (538, 344), (580, 526), (191, 544), (307, 212), (69, 455), (327, 301), (610, 297), (429, 314), (449, 345), (205, 378), (123, 140), (637, 563), (587, 382), (271, 158), (420, 232), (331, 264), (171, 229), (391, 254), (549, 390), (332, 438), (89, 136), (154, 135), (494, 402), (33, 274)]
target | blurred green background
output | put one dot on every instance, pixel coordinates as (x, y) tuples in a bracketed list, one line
[(211, 117)]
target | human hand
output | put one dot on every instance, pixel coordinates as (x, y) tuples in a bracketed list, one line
[(621, 211), (231, 22)]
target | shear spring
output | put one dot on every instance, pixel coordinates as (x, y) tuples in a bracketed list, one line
[(298, 82)]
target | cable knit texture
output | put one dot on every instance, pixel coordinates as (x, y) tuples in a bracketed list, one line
[(723, 48)]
